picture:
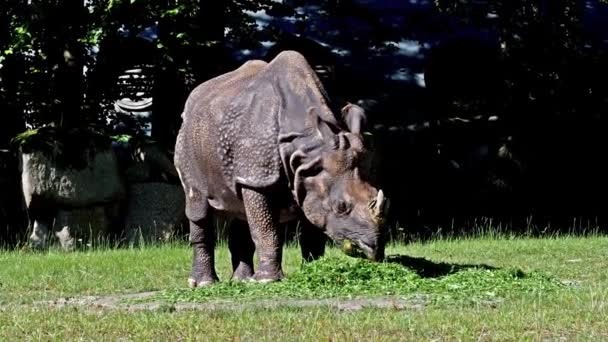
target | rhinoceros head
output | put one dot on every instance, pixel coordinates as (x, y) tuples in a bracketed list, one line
[(330, 169)]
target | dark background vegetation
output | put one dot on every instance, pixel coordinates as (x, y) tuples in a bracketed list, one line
[(484, 113)]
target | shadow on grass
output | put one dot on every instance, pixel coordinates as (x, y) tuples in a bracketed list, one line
[(430, 269)]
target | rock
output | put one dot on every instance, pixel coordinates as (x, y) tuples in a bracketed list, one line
[(155, 157), (149, 164), (65, 238), (99, 182), (155, 212), (73, 197), (82, 227), (75, 228), (138, 172)]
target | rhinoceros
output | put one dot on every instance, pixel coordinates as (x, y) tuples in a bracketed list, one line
[(261, 145)]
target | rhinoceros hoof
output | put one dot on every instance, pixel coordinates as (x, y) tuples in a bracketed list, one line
[(242, 274), (192, 283), (237, 278), (267, 280), (267, 277)]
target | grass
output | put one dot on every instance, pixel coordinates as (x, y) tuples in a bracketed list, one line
[(533, 305), (343, 277)]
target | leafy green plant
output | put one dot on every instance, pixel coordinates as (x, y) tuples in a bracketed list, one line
[(67, 147), (354, 277), (122, 138)]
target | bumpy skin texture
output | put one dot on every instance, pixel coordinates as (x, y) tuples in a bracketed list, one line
[(260, 144), (268, 240), (202, 234)]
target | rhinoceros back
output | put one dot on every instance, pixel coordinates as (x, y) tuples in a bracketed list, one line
[(231, 127)]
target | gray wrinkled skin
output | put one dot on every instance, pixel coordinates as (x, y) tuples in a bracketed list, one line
[(261, 145)]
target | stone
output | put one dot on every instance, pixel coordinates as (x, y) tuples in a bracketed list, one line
[(75, 228), (62, 196), (150, 164), (81, 227), (99, 182), (155, 212)]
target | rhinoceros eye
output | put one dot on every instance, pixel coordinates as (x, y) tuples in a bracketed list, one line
[(341, 207)]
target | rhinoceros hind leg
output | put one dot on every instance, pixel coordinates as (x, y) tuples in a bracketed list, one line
[(242, 249), (312, 241), (202, 238), (267, 237)]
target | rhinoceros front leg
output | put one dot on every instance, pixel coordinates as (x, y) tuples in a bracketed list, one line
[(267, 237), (202, 238), (312, 241), (241, 249)]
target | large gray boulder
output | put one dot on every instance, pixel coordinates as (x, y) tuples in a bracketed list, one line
[(82, 227), (44, 180), (155, 212), (54, 193), (149, 163)]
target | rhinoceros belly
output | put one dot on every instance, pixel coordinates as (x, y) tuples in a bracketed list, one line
[(225, 202), (230, 206)]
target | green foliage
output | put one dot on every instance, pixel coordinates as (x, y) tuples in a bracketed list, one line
[(350, 277), (574, 312), (542, 45), (122, 138), (41, 52), (34, 38), (68, 147)]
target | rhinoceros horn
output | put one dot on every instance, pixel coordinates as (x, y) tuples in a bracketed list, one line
[(379, 205)]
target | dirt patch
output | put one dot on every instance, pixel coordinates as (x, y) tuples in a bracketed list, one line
[(117, 302)]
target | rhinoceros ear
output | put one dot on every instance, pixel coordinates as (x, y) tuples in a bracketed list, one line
[(354, 117), (302, 171), (322, 128)]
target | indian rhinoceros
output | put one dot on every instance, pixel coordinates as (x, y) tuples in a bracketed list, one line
[(261, 144)]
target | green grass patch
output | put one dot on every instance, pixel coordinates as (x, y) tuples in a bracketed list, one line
[(520, 277), (345, 277), (31, 276)]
